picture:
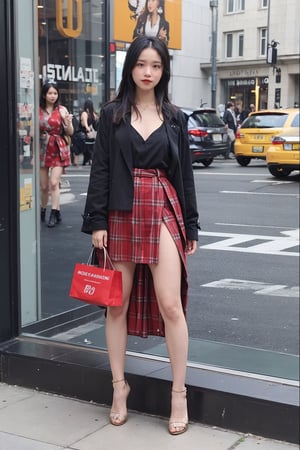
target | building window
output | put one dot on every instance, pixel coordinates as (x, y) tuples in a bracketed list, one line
[(263, 42), (235, 6), (264, 3), (241, 5), (229, 39), (241, 45), (234, 45), (230, 5)]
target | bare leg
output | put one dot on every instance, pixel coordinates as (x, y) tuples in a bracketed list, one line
[(116, 339), (167, 282), (56, 173), (44, 185)]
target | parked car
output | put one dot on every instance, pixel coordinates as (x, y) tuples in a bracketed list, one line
[(207, 135), (283, 156), (255, 134)]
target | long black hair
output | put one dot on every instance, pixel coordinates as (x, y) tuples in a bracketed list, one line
[(88, 107), (126, 93), (45, 88)]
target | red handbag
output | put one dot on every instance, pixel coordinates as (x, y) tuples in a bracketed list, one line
[(97, 285)]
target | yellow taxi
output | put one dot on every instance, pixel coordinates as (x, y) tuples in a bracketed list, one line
[(283, 156), (256, 133)]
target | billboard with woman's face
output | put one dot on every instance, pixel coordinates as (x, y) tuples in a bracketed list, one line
[(161, 18)]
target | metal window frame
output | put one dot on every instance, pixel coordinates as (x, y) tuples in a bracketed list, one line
[(9, 221)]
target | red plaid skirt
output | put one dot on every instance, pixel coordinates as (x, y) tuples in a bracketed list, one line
[(134, 236)]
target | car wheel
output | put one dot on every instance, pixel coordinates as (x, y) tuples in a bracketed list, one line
[(279, 172), (207, 162), (243, 160)]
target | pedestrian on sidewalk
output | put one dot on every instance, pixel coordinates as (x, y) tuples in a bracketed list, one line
[(55, 125), (245, 113), (88, 125), (229, 118), (141, 205)]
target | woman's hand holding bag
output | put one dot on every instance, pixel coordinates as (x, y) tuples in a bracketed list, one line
[(91, 134), (97, 285)]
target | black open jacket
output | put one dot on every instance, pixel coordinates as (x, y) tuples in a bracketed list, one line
[(111, 180)]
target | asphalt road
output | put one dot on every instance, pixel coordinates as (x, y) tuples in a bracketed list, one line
[(244, 278), (244, 285)]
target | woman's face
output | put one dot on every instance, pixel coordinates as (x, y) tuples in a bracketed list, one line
[(148, 70), (51, 95), (152, 5)]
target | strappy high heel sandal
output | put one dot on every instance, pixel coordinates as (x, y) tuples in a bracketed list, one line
[(115, 417), (178, 425)]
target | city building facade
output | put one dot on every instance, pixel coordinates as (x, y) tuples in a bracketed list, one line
[(257, 53)]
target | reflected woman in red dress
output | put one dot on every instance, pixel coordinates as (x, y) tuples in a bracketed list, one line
[(55, 123)]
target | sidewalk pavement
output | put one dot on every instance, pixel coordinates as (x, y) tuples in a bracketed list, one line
[(33, 420)]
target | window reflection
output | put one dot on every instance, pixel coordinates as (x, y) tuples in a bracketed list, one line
[(71, 49), (77, 64)]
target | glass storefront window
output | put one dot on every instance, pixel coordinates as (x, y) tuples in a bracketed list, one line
[(69, 37), (30, 304), (71, 50), (244, 91)]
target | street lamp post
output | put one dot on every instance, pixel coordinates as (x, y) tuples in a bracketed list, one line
[(214, 27)]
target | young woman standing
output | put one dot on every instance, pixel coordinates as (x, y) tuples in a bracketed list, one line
[(55, 123), (141, 205)]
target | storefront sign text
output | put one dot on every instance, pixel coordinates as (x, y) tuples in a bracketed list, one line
[(242, 82), (244, 73), (65, 18), (248, 82), (70, 73)]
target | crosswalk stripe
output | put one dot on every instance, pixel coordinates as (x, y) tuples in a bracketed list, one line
[(271, 245)]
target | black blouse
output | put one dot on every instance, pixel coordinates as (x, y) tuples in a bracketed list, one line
[(152, 153)]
